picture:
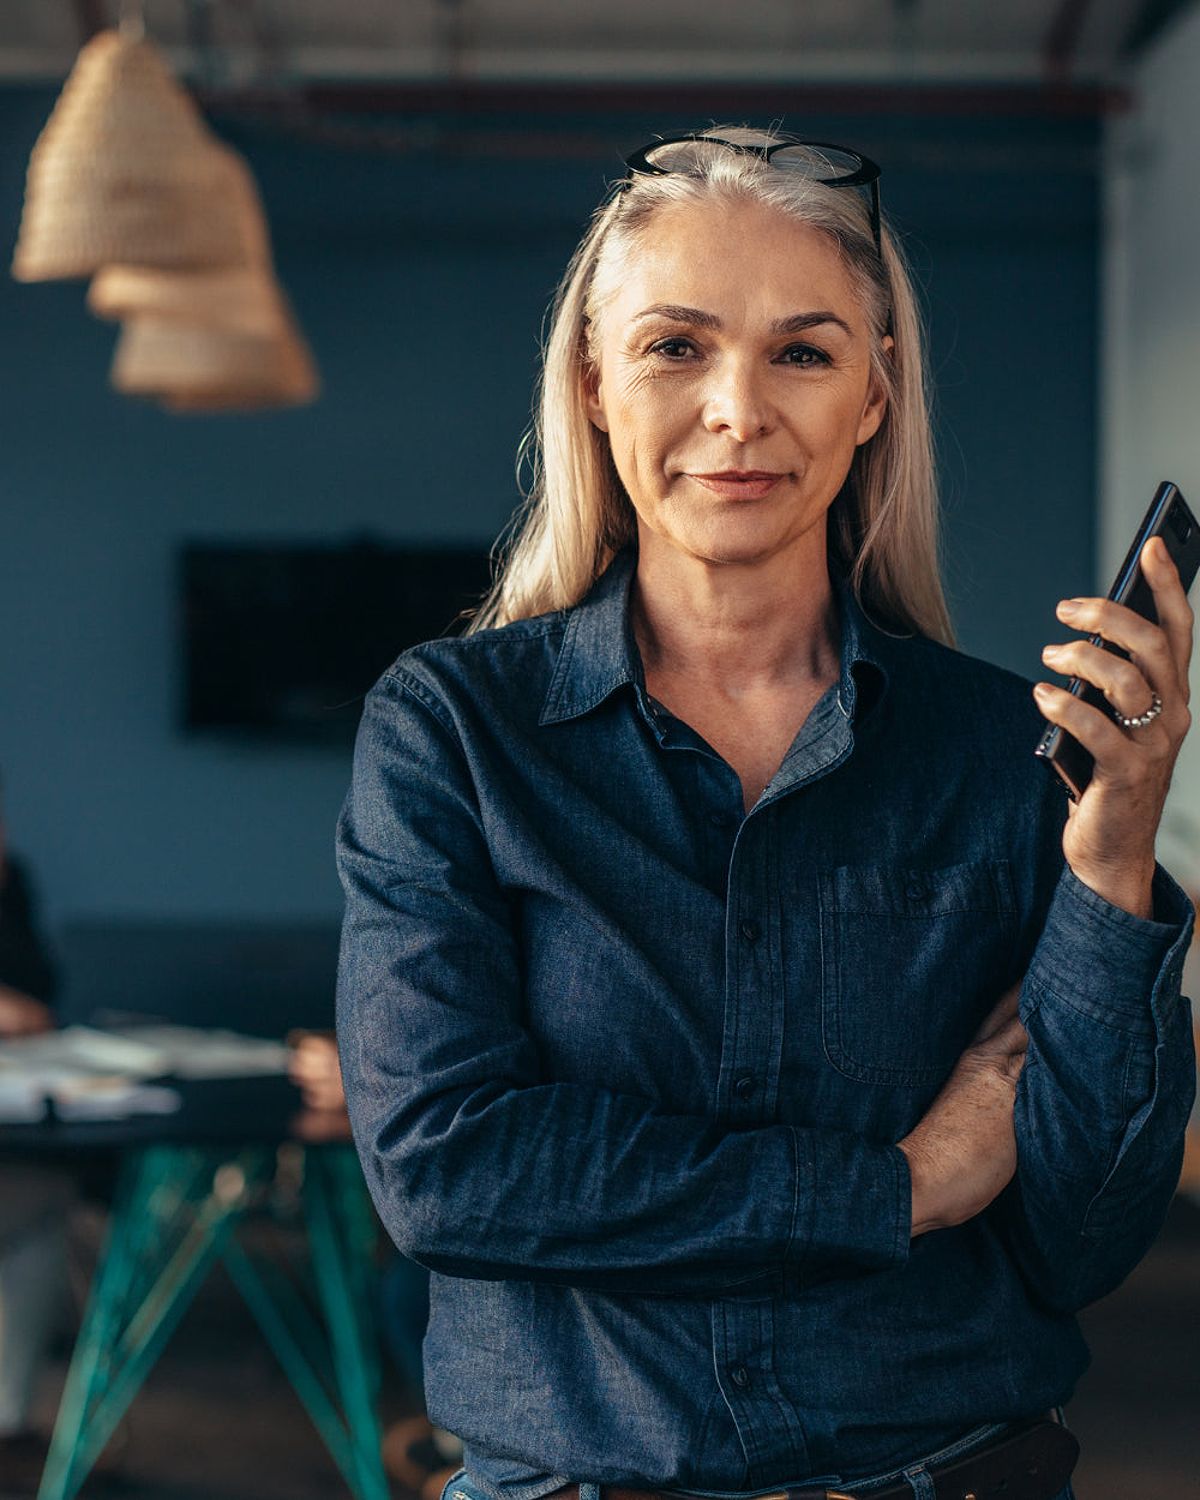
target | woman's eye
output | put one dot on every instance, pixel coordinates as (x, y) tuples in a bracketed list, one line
[(806, 356)]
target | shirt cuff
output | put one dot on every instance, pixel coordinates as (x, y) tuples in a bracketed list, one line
[(853, 1203), (1118, 968)]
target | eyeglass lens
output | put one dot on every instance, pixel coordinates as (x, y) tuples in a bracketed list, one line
[(822, 164)]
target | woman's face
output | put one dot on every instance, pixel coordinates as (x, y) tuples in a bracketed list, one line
[(734, 344)]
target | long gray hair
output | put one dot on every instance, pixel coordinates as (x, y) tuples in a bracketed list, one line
[(883, 525)]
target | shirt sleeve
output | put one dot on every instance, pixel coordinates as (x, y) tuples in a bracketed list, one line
[(1108, 1083), (479, 1165)]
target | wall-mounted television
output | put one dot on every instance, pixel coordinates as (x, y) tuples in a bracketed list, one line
[(281, 640)]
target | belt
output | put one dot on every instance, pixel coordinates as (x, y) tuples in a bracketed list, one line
[(1029, 1462)]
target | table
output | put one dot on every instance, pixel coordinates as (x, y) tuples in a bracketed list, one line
[(185, 1184)]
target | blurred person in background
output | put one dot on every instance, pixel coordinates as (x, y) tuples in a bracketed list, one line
[(34, 1200)]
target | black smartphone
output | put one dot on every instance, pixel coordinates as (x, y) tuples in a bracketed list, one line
[(1170, 517)]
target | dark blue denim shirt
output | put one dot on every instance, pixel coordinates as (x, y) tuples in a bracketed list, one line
[(626, 1066)]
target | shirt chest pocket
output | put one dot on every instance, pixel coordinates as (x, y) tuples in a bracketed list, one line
[(912, 959)]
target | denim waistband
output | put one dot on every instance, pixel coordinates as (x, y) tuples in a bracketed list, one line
[(914, 1472)]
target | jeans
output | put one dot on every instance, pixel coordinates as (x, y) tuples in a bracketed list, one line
[(460, 1487)]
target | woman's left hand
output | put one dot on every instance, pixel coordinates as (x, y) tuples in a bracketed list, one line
[(1110, 832)]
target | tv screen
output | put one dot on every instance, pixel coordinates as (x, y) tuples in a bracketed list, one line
[(283, 641)]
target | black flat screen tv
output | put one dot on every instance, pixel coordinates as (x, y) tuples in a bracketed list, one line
[(282, 641)]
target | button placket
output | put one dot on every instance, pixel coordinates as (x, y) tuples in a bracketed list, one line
[(768, 1425), (753, 1019)]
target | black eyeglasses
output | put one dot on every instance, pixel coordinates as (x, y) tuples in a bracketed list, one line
[(820, 161)]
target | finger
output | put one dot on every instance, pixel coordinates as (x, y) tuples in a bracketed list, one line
[(1001, 1012), (1011, 1037), (1114, 749), (1175, 614), (1121, 682), (1148, 644)]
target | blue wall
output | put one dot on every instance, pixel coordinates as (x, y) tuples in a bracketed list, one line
[(422, 288)]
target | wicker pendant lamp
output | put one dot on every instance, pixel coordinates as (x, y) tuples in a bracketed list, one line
[(242, 298), (234, 301), (210, 340), (124, 171), (192, 368)]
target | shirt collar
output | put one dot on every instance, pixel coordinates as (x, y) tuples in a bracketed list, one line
[(599, 653)]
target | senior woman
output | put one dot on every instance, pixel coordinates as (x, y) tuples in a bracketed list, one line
[(693, 892)]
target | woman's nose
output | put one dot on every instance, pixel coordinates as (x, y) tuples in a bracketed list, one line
[(737, 404)]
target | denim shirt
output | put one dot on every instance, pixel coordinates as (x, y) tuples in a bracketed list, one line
[(627, 1066)]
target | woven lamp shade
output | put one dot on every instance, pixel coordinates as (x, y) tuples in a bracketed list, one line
[(124, 171), (192, 368), (223, 340), (244, 298), (236, 301)]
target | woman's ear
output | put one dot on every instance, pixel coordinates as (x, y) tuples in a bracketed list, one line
[(593, 392), (876, 404)]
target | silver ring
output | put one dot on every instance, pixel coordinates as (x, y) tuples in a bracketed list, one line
[(1139, 721)]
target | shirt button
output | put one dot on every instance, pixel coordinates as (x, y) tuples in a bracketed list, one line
[(718, 819), (750, 930), (740, 1376), (744, 1087), (915, 889)]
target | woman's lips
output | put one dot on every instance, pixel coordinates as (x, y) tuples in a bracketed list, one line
[(751, 488)]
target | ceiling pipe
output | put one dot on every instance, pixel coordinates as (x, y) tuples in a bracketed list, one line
[(689, 102)]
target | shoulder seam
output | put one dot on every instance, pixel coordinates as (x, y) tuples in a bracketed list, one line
[(421, 693)]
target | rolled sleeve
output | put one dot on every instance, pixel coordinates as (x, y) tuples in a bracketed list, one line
[(854, 1202), (1105, 1094), (1117, 968)]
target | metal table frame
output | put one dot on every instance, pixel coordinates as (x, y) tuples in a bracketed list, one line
[(175, 1215)]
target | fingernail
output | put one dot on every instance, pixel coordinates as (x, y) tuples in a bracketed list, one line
[(1041, 692), (1068, 606)]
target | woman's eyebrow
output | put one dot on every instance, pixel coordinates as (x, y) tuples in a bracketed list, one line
[(696, 318)]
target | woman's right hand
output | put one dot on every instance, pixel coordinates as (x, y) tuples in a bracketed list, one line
[(963, 1152)]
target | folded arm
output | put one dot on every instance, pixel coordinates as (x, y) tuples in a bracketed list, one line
[(480, 1165)]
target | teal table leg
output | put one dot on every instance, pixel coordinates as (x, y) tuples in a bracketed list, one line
[(281, 1332), (167, 1223), (154, 1322), (335, 1199), (97, 1337), (174, 1214)]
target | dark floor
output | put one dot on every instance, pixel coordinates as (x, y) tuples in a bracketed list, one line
[(211, 1425)]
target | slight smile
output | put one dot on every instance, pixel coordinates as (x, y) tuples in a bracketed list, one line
[(737, 484)]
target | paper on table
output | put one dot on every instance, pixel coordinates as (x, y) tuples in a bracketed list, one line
[(113, 1099), (92, 1097), (92, 1074), (201, 1052), (79, 1050), (21, 1101)]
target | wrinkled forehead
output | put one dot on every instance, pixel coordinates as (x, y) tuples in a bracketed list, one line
[(746, 261)]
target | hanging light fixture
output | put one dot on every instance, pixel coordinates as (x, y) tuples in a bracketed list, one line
[(210, 340), (243, 297), (192, 368), (124, 170)]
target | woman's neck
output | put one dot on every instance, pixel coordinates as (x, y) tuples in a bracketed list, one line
[(738, 628)]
